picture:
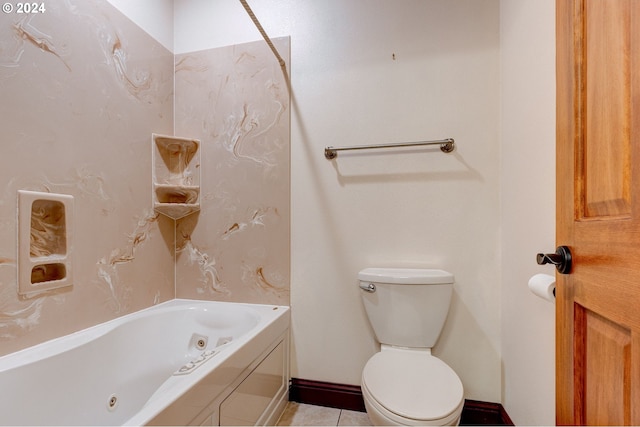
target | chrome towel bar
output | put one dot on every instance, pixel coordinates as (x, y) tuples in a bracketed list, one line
[(446, 145)]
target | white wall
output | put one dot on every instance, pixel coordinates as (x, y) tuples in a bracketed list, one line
[(528, 206), (153, 16), (412, 209)]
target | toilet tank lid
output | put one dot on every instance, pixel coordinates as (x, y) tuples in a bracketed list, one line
[(406, 276)]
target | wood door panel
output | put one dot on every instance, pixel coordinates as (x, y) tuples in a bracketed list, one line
[(605, 143), (603, 365)]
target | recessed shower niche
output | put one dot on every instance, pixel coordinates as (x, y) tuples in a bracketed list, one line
[(44, 241), (176, 175)]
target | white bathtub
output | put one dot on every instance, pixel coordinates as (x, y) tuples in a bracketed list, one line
[(182, 362)]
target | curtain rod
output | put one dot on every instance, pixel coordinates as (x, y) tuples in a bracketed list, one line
[(263, 32)]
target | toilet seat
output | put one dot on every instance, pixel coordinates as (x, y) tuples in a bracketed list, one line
[(413, 387)]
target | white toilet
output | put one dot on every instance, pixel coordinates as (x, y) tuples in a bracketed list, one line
[(404, 384)]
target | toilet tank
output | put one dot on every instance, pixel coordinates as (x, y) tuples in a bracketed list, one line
[(406, 307)]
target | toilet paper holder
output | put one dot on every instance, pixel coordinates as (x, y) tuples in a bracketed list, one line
[(544, 286)]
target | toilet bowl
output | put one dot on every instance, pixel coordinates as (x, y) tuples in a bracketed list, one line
[(411, 387), (404, 384)]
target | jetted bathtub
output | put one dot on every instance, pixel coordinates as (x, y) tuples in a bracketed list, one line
[(183, 362)]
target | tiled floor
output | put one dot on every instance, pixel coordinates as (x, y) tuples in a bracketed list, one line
[(300, 414)]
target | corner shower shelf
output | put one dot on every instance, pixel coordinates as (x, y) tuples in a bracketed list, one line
[(176, 175)]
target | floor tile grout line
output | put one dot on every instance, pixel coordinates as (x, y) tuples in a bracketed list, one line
[(329, 420)]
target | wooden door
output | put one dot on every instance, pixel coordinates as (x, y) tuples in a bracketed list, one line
[(598, 211)]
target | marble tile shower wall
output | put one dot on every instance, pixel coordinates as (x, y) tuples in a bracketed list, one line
[(236, 101), (82, 89)]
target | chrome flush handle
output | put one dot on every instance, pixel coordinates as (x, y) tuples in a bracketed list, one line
[(368, 287)]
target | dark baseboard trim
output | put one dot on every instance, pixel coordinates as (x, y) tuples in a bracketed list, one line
[(479, 413), (322, 393), (343, 396)]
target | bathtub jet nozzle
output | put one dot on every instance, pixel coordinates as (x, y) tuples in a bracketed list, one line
[(198, 342)]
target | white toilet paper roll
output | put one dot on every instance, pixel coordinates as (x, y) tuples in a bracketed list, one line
[(544, 286)]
